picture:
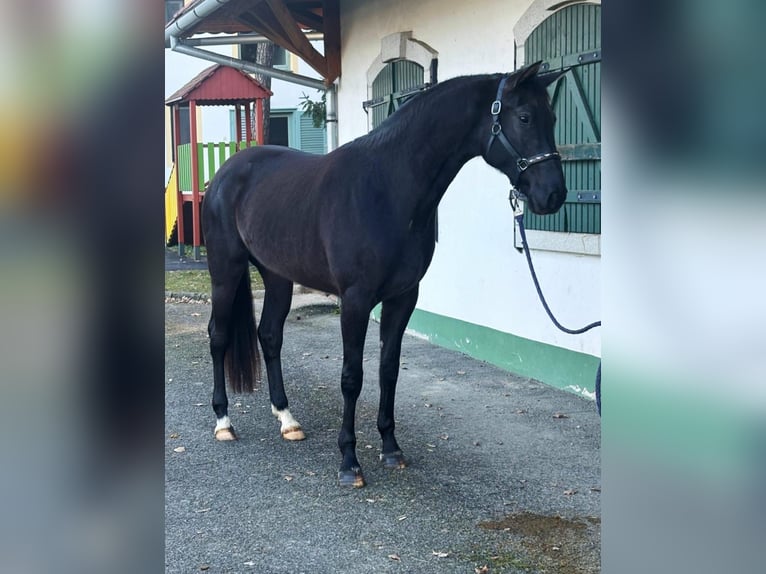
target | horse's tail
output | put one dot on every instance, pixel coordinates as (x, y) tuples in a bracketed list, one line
[(243, 361)]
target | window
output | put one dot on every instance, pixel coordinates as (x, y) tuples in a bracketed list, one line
[(279, 131), (280, 59), (390, 89), (171, 7), (571, 38)]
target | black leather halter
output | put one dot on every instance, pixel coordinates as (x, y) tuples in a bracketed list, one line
[(522, 163)]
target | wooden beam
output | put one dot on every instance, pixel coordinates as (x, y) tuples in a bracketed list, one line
[(196, 235), (298, 41), (310, 19), (331, 16), (261, 20), (179, 197)]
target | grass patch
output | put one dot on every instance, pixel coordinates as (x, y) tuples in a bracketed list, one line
[(198, 281)]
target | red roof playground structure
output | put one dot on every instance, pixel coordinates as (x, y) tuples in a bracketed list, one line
[(195, 163)]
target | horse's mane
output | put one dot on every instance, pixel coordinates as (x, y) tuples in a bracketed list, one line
[(401, 120)]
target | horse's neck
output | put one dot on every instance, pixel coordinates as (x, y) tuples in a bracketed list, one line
[(448, 141)]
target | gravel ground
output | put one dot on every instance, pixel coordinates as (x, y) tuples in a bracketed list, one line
[(504, 471)]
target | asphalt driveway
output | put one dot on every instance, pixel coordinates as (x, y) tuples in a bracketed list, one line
[(504, 471)]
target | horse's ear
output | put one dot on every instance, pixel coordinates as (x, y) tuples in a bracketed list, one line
[(524, 75), (547, 78)]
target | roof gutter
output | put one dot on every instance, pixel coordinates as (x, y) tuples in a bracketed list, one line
[(192, 17)]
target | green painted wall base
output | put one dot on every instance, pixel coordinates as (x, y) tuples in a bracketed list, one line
[(561, 368)]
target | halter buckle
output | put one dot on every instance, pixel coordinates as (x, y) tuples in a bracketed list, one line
[(522, 164), (516, 198), (496, 106)]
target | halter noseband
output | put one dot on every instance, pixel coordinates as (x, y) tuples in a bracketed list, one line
[(496, 133)]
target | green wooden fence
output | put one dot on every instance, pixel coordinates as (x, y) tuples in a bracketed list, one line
[(210, 157)]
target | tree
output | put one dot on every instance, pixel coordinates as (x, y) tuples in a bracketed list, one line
[(317, 110), (261, 53)]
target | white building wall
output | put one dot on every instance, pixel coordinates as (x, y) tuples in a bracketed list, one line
[(476, 275)]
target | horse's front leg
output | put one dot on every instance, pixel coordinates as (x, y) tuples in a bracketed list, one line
[(354, 317), (395, 315)]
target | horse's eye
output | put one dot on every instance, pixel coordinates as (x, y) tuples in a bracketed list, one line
[(524, 118)]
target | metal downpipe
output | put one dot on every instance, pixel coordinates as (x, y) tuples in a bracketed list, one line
[(178, 46)]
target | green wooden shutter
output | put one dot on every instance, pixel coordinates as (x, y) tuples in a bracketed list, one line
[(391, 86), (571, 37), (313, 140)]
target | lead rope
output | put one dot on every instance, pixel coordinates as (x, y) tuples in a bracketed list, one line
[(518, 214)]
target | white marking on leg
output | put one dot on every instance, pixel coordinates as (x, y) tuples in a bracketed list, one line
[(290, 428), (223, 430), (222, 423)]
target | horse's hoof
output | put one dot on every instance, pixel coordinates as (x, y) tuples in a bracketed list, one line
[(226, 434), (293, 434), (393, 459), (352, 477)]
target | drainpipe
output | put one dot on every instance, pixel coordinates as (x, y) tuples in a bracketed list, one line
[(331, 118), (178, 46), (228, 39)]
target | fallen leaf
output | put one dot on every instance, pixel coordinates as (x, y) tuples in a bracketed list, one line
[(395, 557), (249, 563), (560, 416), (306, 354), (595, 489), (204, 567), (199, 404), (555, 548), (368, 446), (173, 435), (427, 405), (476, 443), (289, 477), (483, 570), (570, 491), (179, 449), (444, 436), (428, 444), (461, 372), (402, 517), (201, 510), (440, 554), (195, 314)]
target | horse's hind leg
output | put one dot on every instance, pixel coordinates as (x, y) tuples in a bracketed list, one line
[(225, 287), (276, 306), (395, 314)]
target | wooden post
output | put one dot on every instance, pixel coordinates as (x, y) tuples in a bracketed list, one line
[(248, 125), (195, 180), (259, 119), (238, 119), (176, 120)]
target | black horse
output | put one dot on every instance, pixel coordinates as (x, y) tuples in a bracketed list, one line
[(359, 222)]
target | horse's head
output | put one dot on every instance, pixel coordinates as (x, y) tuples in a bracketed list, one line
[(521, 142)]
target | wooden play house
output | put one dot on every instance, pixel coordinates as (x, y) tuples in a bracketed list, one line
[(194, 162)]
